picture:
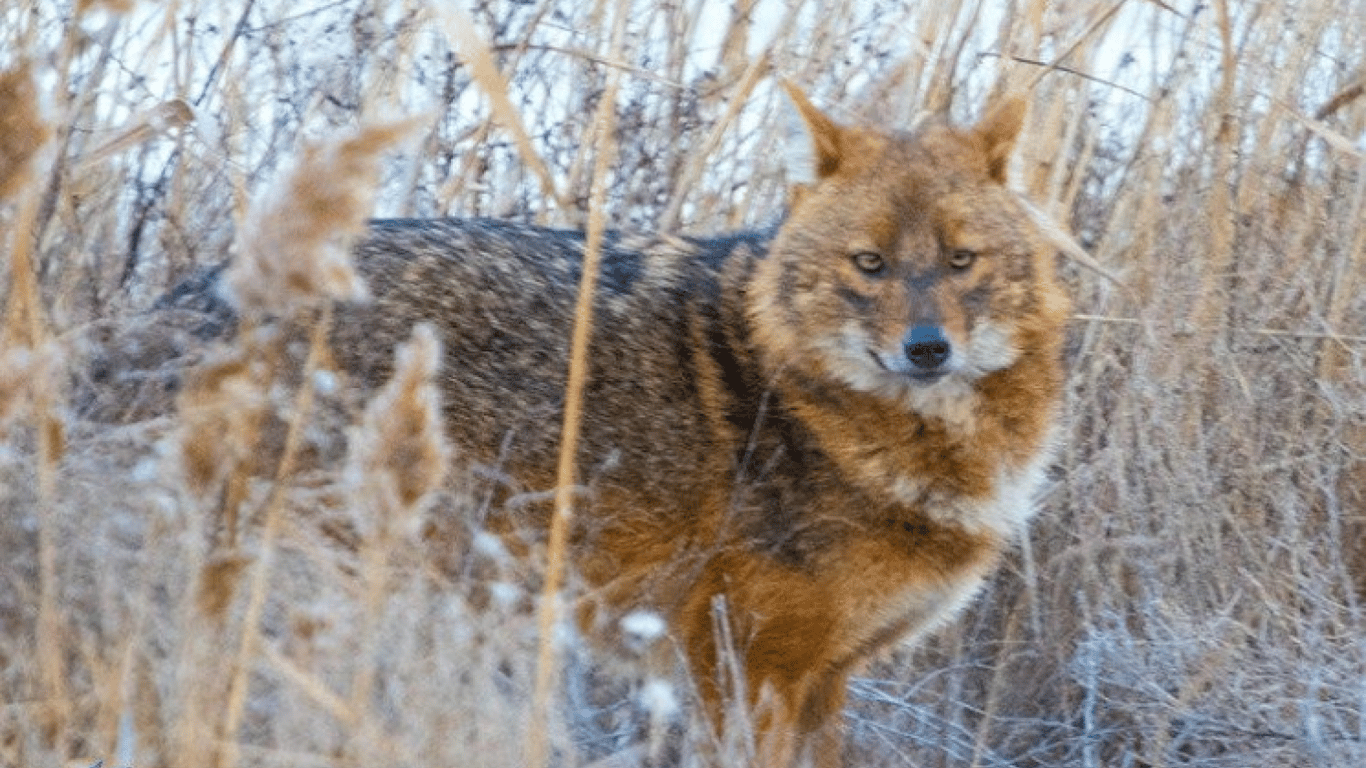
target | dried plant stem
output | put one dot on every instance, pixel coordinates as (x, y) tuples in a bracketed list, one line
[(247, 647), (23, 321), (460, 28), (1342, 98), (1213, 298), (698, 163), (24, 327), (586, 55), (1333, 362), (1056, 67), (758, 68), (51, 646), (1340, 338), (547, 662), (1211, 312), (1096, 26), (315, 689)]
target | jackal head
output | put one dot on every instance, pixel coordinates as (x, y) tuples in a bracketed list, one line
[(905, 267)]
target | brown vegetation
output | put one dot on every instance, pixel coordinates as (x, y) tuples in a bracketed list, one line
[(1191, 593)]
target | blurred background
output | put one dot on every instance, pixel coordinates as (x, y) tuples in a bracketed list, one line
[(1190, 594)]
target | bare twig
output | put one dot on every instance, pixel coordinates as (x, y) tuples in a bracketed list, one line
[(537, 751), (1070, 71), (1273, 332), (460, 29)]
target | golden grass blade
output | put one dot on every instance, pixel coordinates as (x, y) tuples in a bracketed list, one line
[(756, 70), (1056, 235), (1087, 36), (1341, 99), (316, 690), (158, 121), (247, 649), (688, 180), (1268, 332), (23, 135), (1211, 312), (459, 29), (547, 662), (1332, 138)]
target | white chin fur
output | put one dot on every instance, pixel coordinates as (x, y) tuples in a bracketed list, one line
[(951, 397)]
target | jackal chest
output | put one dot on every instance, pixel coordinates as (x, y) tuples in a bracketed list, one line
[(915, 558), (903, 575)]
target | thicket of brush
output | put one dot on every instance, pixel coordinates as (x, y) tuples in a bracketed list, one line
[(232, 570)]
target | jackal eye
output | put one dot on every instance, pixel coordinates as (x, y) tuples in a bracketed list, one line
[(961, 258), (870, 263)]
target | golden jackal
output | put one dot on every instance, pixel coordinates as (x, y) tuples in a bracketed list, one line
[(835, 427)]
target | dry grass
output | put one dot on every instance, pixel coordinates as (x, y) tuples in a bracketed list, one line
[(172, 593)]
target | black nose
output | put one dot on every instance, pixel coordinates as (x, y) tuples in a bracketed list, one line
[(927, 347)]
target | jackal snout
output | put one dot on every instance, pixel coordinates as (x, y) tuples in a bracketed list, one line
[(927, 349), (924, 352)]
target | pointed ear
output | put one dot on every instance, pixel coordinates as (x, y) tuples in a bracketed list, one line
[(997, 132), (813, 140)]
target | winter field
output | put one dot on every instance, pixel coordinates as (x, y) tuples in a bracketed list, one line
[(232, 569)]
